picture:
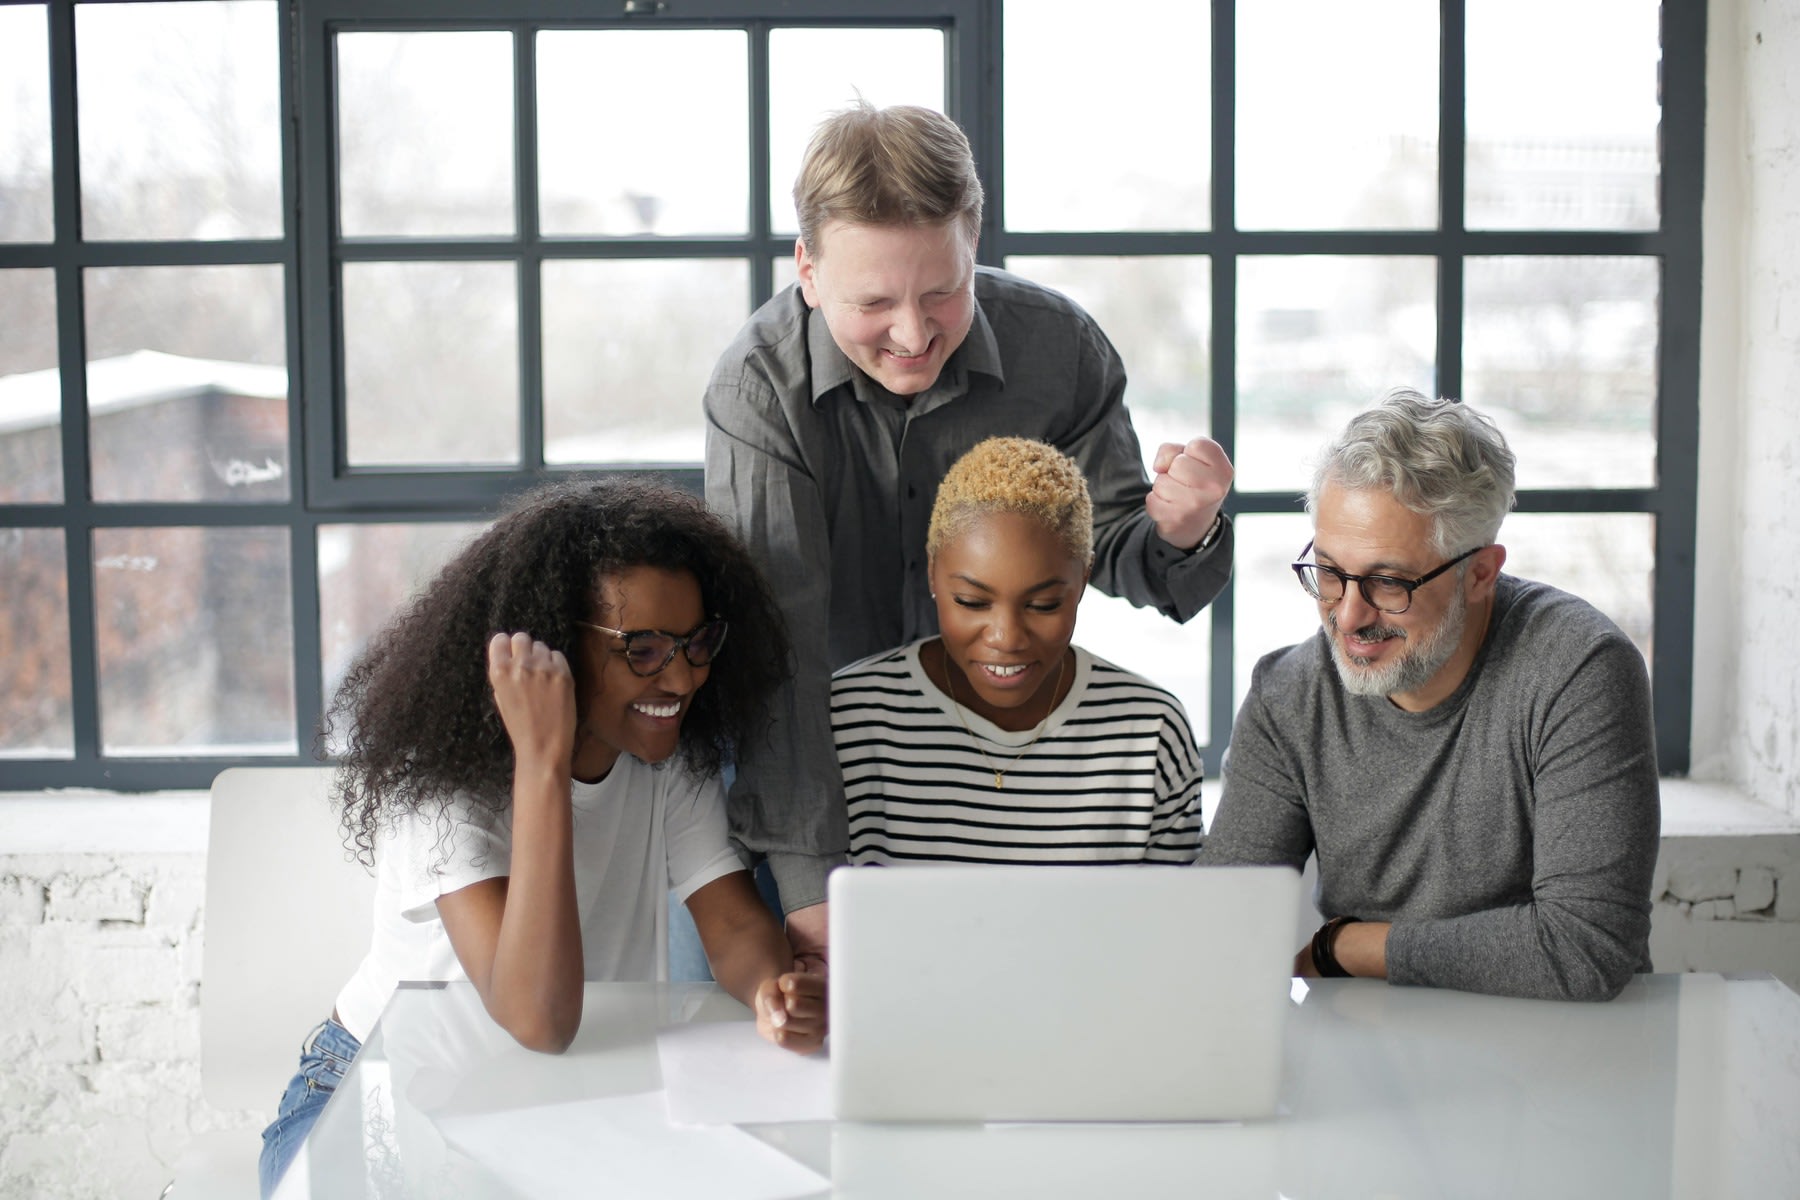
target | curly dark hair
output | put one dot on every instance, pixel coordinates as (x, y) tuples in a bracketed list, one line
[(416, 707)]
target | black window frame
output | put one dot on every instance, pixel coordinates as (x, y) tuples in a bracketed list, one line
[(327, 491)]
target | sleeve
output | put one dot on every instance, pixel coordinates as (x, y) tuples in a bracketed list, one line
[(694, 831), (1175, 826), (787, 801), (433, 854), (1130, 559), (1597, 820), (1262, 818)]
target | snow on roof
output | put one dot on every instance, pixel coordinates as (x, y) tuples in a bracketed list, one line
[(34, 398)]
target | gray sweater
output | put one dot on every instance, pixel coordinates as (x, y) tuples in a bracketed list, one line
[(1508, 833)]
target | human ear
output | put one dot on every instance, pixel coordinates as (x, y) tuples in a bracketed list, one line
[(1484, 570), (804, 266)]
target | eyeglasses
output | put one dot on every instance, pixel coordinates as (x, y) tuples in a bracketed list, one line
[(1384, 593), (648, 651)]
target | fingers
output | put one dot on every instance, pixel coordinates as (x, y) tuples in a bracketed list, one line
[(516, 656), (534, 691), (1202, 463), (792, 1010), (1191, 484)]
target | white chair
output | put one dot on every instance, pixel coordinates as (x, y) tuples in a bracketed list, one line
[(287, 921)]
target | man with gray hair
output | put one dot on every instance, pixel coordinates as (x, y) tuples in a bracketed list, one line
[(1469, 755)]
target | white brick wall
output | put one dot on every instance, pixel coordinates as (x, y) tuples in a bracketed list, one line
[(1764, 709), (100, 1048)]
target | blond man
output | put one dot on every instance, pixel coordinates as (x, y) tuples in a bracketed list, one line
[(838, 408)]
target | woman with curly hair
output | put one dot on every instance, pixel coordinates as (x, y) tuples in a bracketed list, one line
[(533, 764), (999, 741)]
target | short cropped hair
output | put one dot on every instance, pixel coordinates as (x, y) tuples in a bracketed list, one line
[(1439, 458), (1017, 475), (902, 165)]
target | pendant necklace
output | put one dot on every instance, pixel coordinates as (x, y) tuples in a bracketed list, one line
[(1000, 772)]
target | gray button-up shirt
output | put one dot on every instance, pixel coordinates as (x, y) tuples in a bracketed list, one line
[(829, 479)]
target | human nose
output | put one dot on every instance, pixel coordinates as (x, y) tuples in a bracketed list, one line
[(680, 676), (1005, 630), (911, 328), (1354, 610)]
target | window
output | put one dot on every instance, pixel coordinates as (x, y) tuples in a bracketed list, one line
[(292, 292)]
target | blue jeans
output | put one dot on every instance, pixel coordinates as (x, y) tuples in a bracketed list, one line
[(324, 1057)]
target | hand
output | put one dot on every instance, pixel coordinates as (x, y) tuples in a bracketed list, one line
[(1303, 964), (807, 930), (1188, 491), (791, 1011), (535, 693)]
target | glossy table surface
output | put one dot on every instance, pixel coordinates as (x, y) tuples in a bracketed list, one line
[(1686, 1085)]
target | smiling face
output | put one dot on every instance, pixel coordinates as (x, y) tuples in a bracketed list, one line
[(619, 712), (898, 299), (1007, 589), (1415, 658)]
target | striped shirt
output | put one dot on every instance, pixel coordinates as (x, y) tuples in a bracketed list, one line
[(1114, 777)]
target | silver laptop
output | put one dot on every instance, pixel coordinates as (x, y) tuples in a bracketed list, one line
[(1059, 993)]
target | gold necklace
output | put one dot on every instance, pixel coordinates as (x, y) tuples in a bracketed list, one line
[(999, 772)]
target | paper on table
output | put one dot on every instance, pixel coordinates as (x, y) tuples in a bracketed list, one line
[(623, 1146), (724, 1073)]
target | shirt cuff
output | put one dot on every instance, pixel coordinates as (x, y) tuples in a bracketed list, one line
[(1214, 537), (800, 878)]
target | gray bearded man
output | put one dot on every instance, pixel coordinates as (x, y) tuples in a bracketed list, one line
[(1470, 755)]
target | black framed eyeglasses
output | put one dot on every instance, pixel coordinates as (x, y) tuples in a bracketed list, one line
[(1384, 593), (648, 651)]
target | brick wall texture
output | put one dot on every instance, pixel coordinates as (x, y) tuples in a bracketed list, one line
[(100, 1049)]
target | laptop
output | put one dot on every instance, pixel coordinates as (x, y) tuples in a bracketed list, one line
[(1050, 993)]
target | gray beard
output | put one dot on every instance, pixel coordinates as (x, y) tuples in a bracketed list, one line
[(1409, 671)]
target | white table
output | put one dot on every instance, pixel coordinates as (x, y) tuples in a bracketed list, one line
[(1686, 1085)]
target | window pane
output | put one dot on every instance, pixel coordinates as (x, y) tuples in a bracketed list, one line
[(1158, 314), (425, 134), (1337, 115), (1608, 559), (1178, 657), (1320, 339), (431, 362), (195, 633), (36, 719), (187, 383), (1086, 157), (180, 119), (1269, 609), (366, 572), (25, 201), (621, 177), (1576, 148), (815, 72), (628, 347), (1562, 353), (30, 387)]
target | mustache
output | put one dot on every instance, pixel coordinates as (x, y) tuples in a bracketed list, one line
[(1369, 633)]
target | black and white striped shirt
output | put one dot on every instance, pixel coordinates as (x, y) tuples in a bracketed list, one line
[(1113, 778)]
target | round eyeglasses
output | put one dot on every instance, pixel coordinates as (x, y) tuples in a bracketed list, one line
[(648, 651), (1384, 593)]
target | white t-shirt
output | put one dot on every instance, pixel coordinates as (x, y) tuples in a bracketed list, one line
[(640, 833)]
